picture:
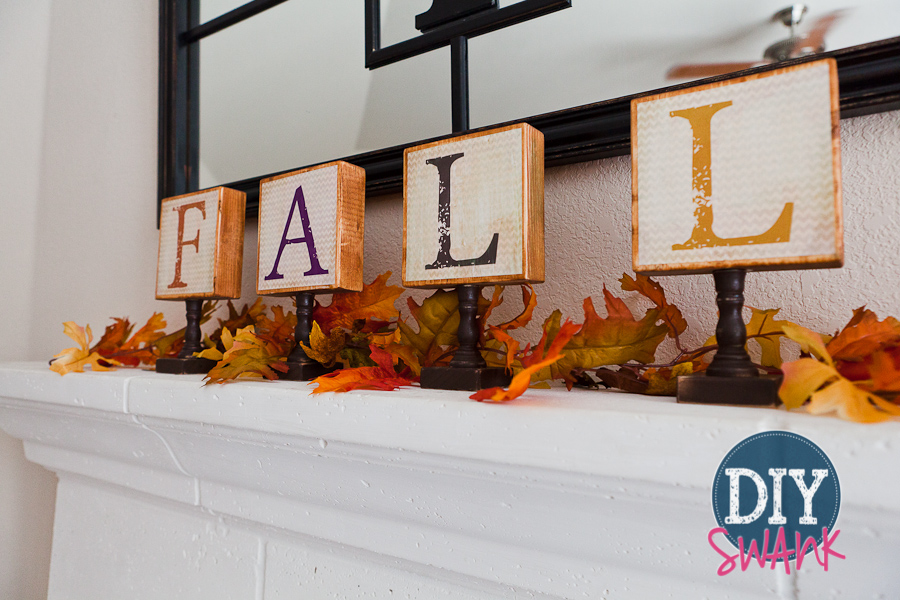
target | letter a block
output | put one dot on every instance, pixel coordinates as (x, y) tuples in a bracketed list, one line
[(311, 230), (473, 209), (201, 242)]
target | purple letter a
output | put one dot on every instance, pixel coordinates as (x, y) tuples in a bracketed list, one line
[(315, 268)]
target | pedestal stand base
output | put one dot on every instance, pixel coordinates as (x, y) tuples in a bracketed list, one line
[(184, 366), (305, 371), (740, 391), (463, 378)]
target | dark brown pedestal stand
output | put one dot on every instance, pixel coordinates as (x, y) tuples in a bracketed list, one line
[(186, 362), (467, 370), (300, 366), (731, 377)]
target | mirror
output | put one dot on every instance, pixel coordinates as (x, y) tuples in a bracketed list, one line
[(288, 87)]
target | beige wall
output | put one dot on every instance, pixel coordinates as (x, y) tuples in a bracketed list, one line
[(78, 236)]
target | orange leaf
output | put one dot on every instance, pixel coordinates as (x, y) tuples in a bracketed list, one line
[(529, 302), (485, 314), (113, 337), (864, 335), (512, 346), (375, 301), (520, 382), (885, 370), (380, 377), (279, 330), (651, 290)]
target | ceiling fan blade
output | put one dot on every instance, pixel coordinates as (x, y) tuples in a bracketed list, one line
[(709, 69), (814, 40)]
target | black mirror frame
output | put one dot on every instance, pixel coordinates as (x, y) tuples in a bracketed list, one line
[(869, 77)]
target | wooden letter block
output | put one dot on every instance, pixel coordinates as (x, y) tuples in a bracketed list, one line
[(311, 225), (743, 173), (201, 242), (473, 209)]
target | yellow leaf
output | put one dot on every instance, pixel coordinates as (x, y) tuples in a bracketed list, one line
[(664, 382), (810, 341), (850, 403), (324, 348), (762, 323), (801, 380), (73, 360), (246, 355), (438, 320)]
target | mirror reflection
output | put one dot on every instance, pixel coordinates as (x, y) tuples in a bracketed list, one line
[(289, 87)]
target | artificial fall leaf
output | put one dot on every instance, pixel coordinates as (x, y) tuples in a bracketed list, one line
[(863, 336), (246, 356), (324, 348), (767, 333), (512, 347), (140, 348), (827, 391), (375, 301), (810, 341), (73, 360), (383, 376), (438, 321), (529, 302), (669, 313), (114, 337), (279, 330), (884, 368), (495, 301), (521, 381), (248, 315), (615, 340), (401, 352), (664, 381)]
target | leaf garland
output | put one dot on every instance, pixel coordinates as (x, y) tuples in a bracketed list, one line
[(855, 374)]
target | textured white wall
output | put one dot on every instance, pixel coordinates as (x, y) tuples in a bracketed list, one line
[(27, 491)]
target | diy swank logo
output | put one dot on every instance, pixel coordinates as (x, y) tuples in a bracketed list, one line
[(776, 498)]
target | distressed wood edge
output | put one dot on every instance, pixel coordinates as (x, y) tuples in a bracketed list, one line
[(819, 261), (516, 279), (836, 160), (350, 227), (230, 243), (533, 257)]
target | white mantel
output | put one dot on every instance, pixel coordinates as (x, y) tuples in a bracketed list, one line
[(260, 491)]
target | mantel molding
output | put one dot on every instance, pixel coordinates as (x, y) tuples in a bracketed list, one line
[(560, 495)]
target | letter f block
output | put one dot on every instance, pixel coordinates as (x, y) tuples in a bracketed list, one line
[(201, 242), (473, 209), (311, 225)]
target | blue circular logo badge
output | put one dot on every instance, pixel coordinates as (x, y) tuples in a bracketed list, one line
[(773, 486)]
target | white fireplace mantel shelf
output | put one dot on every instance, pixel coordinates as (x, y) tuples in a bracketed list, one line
[(259, 490)]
